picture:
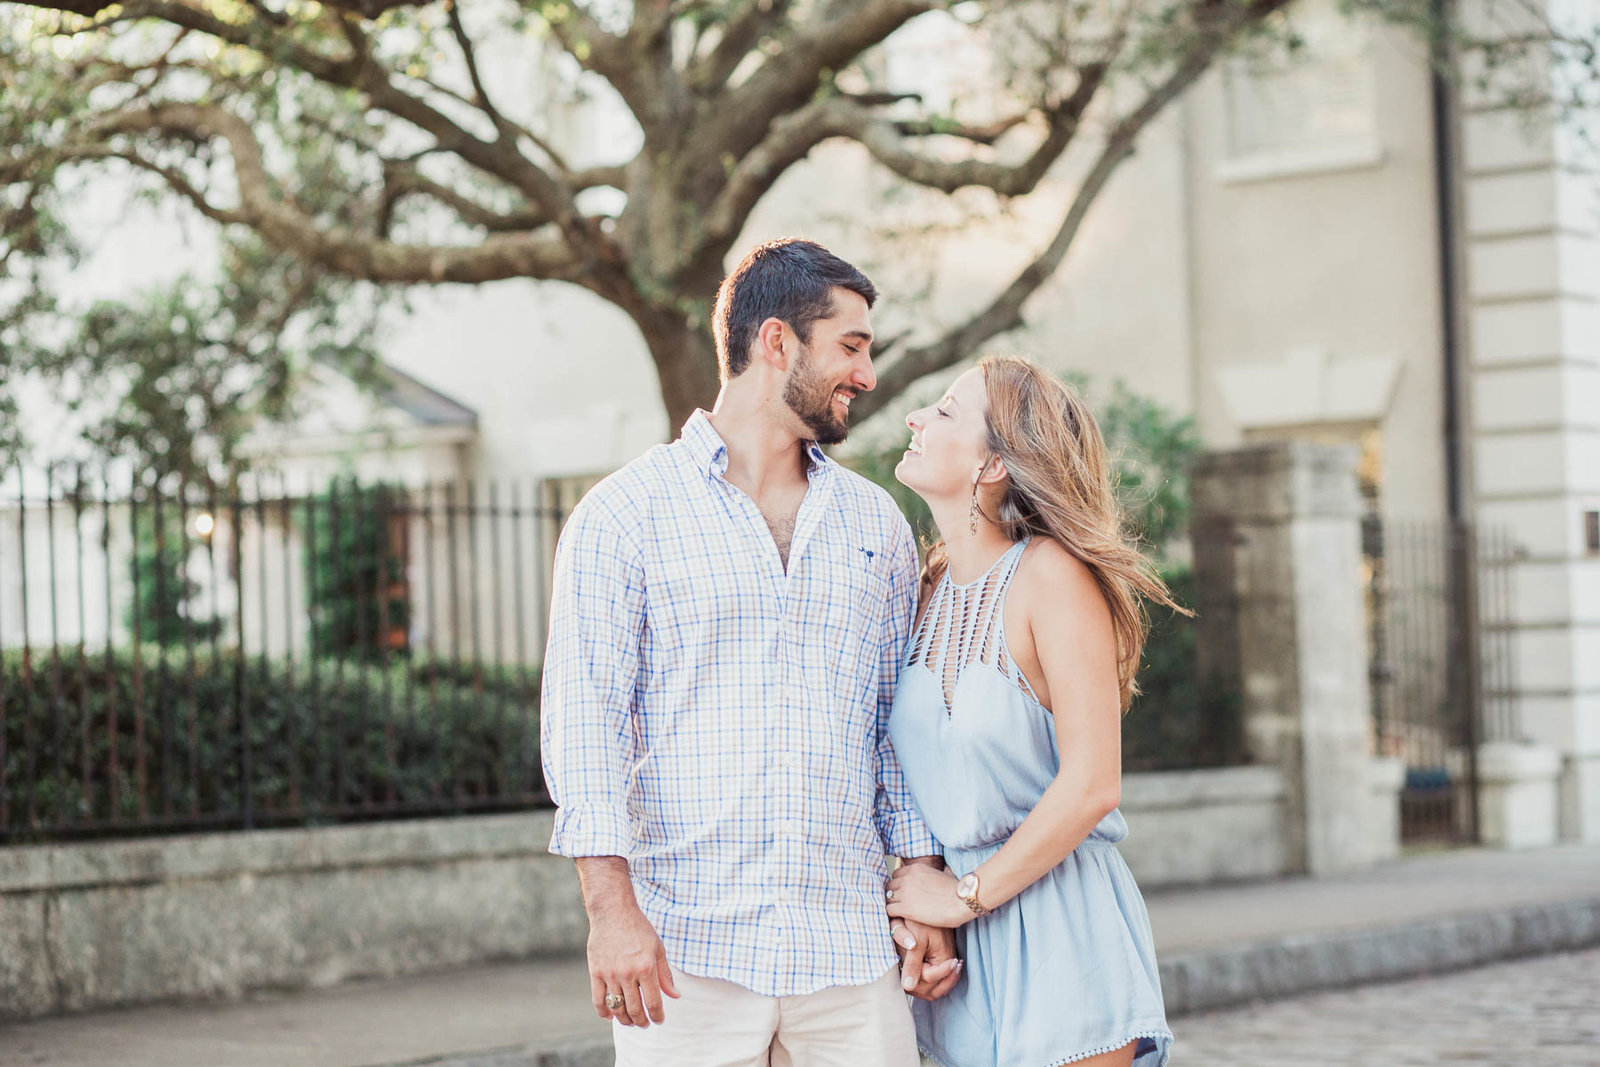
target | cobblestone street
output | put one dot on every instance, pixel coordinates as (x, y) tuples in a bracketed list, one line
[(1531, 1013)]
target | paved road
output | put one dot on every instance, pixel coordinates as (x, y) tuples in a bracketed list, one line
[(1529, 1013)]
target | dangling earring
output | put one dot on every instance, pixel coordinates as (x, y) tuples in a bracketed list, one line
[(972, 512)]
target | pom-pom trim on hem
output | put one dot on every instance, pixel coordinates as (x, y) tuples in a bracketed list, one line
[(1154, 1035)]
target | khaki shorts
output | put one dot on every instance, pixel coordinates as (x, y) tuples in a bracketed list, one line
[(719, 1024)]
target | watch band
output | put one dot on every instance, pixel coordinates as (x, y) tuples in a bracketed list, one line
[(970, 897)]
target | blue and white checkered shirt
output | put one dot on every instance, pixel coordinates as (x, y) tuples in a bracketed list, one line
[(721, 723)]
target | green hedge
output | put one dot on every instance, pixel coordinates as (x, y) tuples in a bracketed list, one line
[(432, 734), (327, 743), (1181, 719)]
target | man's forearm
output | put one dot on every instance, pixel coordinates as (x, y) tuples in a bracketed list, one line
[(605, 884), (936, 862)]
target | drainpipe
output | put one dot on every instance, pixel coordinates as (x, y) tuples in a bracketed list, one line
[(1462, 584), (1191, 271), (1447, 186)]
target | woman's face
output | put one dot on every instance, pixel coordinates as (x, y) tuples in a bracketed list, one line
[(949, 441)]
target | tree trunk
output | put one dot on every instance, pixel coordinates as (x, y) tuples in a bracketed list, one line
[(686, 362)]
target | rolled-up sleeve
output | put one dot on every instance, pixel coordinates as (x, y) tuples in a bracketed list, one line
[(587, 740), (899, 823)]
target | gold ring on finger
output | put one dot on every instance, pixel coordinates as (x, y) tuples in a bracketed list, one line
[(613, 1001)]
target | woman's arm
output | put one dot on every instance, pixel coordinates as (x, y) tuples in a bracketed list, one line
[(1076, 649), (1066, 629)]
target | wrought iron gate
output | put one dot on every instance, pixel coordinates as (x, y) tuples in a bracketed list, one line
[(1439, 597)]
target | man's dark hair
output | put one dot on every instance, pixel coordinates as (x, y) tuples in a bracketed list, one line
[(789, 279)]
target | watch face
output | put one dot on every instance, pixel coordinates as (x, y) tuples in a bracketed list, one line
[(967, 888)]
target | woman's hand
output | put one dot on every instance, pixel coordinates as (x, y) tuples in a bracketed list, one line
[(920, 893), (930, 967)]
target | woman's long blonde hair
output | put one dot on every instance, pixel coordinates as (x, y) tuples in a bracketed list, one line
[(1060, 487)]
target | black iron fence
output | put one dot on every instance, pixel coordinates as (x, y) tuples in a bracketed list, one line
[(180, 657), (1443, 666)]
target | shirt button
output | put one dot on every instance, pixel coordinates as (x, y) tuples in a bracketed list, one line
[(783, 896), (792, 828), (787, 759)]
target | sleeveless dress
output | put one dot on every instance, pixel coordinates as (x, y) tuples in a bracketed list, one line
[(1066, 969)]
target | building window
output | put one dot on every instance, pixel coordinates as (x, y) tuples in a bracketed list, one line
[(1309, 109)]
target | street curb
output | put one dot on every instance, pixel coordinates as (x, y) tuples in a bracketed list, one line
[(1209, 979)]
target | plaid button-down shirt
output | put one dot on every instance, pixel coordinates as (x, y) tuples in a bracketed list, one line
[(721, 723)]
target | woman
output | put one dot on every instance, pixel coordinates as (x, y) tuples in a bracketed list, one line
[(1007, 725)]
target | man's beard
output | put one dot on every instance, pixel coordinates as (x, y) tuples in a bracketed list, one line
[(812, 401)]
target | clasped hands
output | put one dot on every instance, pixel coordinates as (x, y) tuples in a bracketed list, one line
[(923, 929)]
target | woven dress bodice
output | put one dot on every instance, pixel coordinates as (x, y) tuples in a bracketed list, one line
[(965, 625)]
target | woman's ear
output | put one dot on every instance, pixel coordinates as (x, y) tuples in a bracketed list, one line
[(769, 343), (994, 471)]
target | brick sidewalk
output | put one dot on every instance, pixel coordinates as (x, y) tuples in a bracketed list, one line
[(1539, 1011)]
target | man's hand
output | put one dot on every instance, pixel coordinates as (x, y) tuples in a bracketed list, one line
[(929, 966), (625, 955)]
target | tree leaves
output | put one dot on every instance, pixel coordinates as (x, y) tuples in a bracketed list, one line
[(377, 140), (176, 376)]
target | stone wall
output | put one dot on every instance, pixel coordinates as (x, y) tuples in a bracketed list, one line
[(104, 924), (99, 925), (1194, 827)]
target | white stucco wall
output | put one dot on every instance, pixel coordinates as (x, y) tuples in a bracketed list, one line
[(1342, 263), (1533, 254)]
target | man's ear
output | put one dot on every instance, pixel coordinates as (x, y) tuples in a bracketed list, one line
[(770, 338)]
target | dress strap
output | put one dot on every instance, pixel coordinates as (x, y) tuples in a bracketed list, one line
[(917, 648), (1008, 562)]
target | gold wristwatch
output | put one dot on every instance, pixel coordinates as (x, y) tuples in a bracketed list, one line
[(967, 890)]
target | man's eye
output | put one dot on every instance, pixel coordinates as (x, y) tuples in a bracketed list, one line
[(852, 349)]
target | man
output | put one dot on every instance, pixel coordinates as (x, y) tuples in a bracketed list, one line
[(727, 624)]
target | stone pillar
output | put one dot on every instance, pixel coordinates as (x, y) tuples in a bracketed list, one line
[(1517, 794), (1532, 295), (1385, 778), (1278, 526)]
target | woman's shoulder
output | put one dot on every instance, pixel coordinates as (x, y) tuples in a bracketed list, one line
[(1046, 559), (1049, 576)]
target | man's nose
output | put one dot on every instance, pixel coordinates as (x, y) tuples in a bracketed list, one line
[(865, 377)]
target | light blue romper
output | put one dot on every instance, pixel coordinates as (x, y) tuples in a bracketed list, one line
[(1066, 969)]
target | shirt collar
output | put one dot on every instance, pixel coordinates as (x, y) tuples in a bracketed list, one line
[(710, 454)]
